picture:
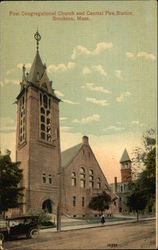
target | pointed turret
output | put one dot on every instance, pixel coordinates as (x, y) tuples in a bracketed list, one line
[(125, 156), (37, 69), (126, 172)]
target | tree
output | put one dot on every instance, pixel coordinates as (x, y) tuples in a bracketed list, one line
[(10, 177), (100, 202), (144, 187), (137, 201), (140, 159)]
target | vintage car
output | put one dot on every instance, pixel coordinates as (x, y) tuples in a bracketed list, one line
[(25, 225)]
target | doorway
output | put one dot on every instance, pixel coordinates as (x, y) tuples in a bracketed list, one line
[(47, 206)]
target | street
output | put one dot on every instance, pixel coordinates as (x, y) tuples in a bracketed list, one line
[(140, 235)]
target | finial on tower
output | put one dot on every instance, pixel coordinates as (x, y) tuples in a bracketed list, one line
[(37, 38)]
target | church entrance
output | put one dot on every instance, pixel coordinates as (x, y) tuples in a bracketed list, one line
[(47, 206)]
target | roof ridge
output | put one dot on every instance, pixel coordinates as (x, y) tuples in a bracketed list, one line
[(71, 147), (68, 155)]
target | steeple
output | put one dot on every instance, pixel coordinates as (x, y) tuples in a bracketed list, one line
[(37, 69), (126, 171), (125, 157)]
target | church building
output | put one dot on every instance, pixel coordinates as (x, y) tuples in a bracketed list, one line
[(48, 176), (83, 178)]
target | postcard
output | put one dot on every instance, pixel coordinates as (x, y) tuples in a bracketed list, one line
[(78, 124)]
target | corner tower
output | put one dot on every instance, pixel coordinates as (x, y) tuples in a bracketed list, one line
[(37, 137), (126, 172)]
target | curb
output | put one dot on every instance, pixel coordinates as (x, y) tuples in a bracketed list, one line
[(96, 226)]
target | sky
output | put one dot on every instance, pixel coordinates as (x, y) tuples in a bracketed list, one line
[(103, 68)]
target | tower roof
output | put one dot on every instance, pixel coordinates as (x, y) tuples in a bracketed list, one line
[(36, 68), (125, 156)]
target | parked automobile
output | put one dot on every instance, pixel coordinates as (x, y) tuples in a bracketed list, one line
[(24, 225)]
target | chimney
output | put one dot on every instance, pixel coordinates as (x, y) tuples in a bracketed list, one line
[(115, 182), (85, 139)]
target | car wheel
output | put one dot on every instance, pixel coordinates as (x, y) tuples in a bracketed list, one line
[(1, 236), (33, 234)]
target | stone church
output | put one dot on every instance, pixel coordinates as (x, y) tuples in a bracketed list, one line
[(76, 170)]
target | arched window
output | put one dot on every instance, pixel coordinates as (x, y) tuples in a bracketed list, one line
[(48, 121), (73, 179), (42, 111), (91, 178), (44, 178), (49, 103), (46, 118), (98, 182), (45, 101), (83, 201), (40, 98), (74, 201), (43, 135), (43, 127), (50, 179), (42, 118), (82, 177), (48, 113)]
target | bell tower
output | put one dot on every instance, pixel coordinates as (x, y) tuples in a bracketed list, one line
[(126, 172), (37, 136)]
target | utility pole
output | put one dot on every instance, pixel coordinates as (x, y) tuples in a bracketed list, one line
[(60, 185)]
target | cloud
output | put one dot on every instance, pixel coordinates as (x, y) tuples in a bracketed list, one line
[(92, 87), (135, 122), (86, 71), (63, 118), (81, 50), (88, 119), (122, 96), (27, 65), (99, 68), (118, 74), (147, 56), (115, 128), (70, 102), (10, 71), (12, 81), (61, 67), (59, 93), (129, 54), (138, 123), (65, 128), (7, 125), (97, 102)]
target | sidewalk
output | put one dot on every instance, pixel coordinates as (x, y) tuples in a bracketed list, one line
[(78, 227)]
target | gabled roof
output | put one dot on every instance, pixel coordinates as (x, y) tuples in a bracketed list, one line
[(68, 155), (37, 67), (125, 156)]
